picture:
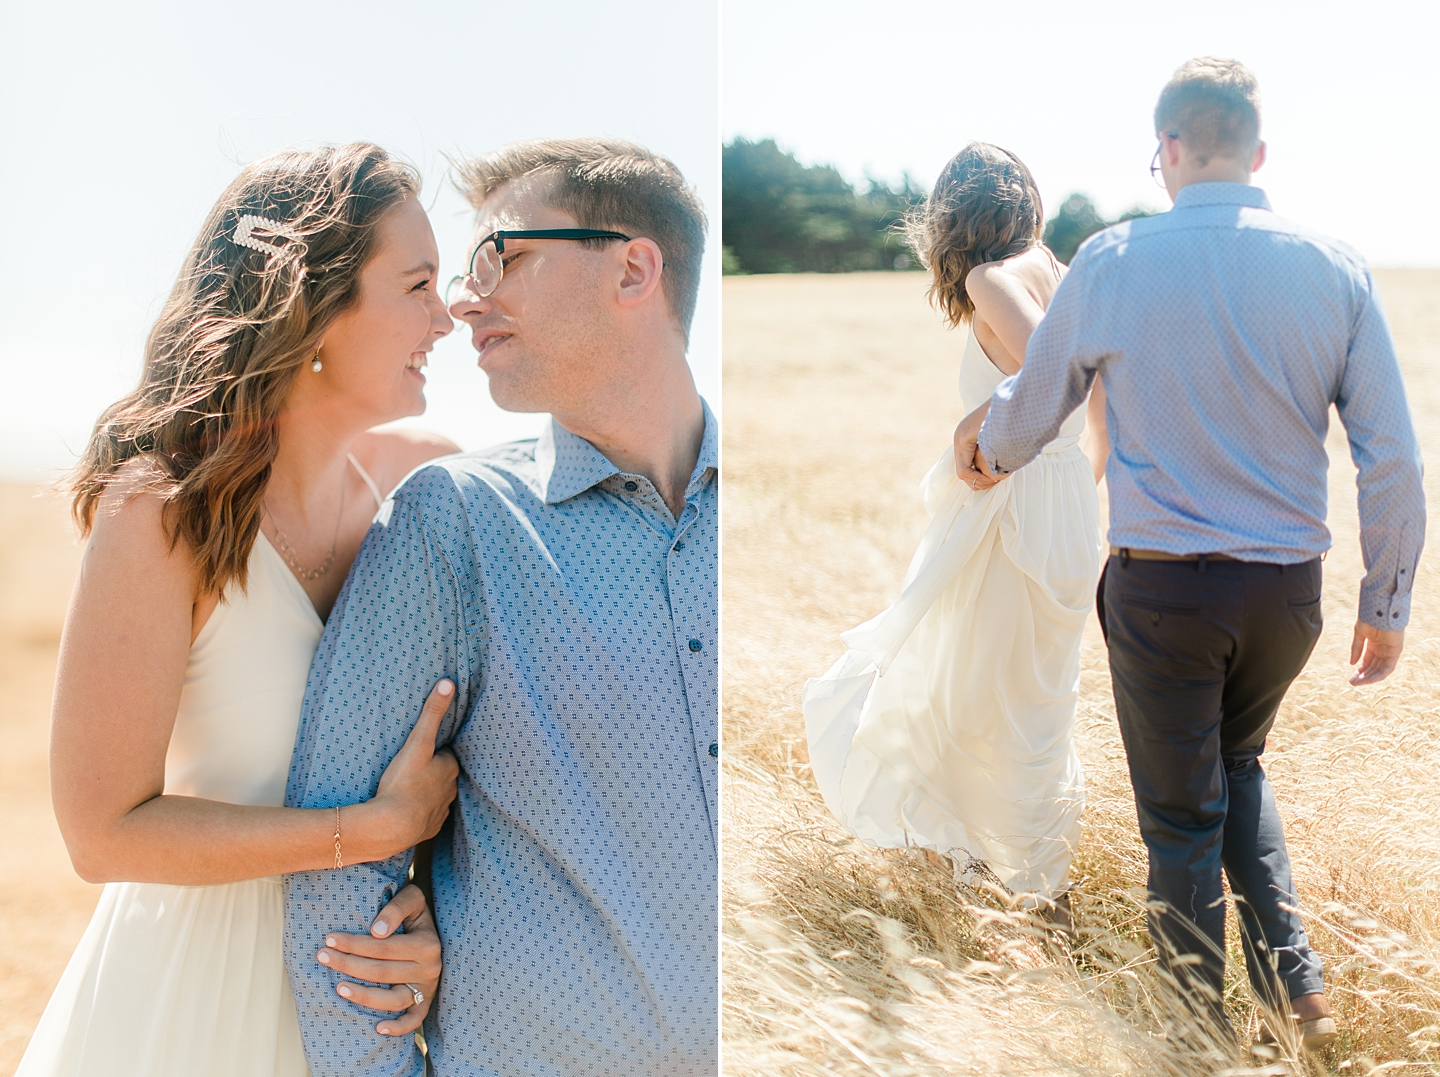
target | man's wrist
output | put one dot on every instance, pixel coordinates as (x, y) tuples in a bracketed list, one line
[(982, 453)]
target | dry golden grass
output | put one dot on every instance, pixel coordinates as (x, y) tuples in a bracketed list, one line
[(45, 905), (839, 958)]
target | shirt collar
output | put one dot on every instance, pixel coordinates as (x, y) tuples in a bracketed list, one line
[(709, 458), (1221, 194), (570, 465)]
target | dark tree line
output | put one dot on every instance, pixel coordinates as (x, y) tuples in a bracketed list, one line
[(784, 217), (1077, 220), (780, 216)]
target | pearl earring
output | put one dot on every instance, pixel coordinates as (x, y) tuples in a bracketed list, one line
[(315, 363)]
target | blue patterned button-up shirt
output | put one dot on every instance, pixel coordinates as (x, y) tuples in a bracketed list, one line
[(1223, 334), (576, 884)]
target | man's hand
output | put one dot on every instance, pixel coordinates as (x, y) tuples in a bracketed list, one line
[(974, 472), (385, 957), (1377, 651)]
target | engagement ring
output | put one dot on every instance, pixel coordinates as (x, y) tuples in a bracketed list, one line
[(419, 995)]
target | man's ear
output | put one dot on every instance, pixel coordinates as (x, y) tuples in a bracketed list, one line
[(643, 266), (1259, 158), (1172, 150)]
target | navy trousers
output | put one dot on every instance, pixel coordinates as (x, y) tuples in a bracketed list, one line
[(1201, 653)]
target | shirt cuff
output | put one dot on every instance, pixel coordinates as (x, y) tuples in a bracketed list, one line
[(1390, 612), (991, 460)]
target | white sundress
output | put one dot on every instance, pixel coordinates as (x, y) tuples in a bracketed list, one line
[(189, 981), (948, 724)]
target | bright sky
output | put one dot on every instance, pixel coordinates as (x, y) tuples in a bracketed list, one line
[(123, 122), (1349, 95)]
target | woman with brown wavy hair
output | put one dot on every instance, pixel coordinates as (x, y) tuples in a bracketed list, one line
[(224, 500), (948, 723)]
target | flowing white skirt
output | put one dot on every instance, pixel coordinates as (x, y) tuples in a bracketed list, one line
[(174, 981), (949, 722)]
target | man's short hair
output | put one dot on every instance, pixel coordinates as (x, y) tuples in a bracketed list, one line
[(608, 184), (1213, 106)]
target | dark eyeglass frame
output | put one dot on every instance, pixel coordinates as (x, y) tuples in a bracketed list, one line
[(1155, 161), (499, 237)]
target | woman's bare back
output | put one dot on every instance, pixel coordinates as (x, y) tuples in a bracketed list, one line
[(1010, 298)]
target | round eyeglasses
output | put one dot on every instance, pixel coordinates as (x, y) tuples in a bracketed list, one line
[(487, 264)]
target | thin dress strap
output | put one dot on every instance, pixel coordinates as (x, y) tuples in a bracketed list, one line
[(374, 490), (1054, 262)]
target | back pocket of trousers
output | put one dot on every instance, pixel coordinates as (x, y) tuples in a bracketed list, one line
[(1151, 605)]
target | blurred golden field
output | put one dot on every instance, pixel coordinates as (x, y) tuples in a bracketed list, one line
[(841, 959), (45, 906)]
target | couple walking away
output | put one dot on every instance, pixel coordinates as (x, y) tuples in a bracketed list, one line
[(236, 750), (1211, 341)]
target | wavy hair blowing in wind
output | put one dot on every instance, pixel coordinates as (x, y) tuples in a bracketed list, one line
[(985, 207), (239, 325)]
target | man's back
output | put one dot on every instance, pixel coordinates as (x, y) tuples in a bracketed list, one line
[(1223, 333), (1229, 330)]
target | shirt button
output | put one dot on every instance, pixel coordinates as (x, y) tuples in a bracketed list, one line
[(695, 645), (679, 545), (632, 485), (715, 751)]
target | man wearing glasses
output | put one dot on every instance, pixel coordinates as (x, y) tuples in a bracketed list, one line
[(568, 587), (1223, 334)]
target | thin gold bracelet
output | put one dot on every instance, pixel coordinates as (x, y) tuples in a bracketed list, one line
[(338, 862)]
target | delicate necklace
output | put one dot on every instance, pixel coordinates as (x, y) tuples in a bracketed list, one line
[(308, 574)]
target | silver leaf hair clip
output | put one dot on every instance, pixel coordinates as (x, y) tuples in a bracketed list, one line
[(244, 233)]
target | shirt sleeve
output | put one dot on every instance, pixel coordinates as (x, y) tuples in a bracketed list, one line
[(397, 628), (1372, 406), (1028, 408)]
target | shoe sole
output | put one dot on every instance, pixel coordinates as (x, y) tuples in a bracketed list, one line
[(1318, 1034), (1315, 1035)]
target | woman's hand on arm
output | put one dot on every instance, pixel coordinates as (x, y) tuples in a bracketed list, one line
[(417, 786), (122, 666), (389, 956)]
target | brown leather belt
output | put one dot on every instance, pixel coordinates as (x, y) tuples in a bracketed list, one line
[(1157, 555)]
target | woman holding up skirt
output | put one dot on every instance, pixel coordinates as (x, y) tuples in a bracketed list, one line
[(948, 724)]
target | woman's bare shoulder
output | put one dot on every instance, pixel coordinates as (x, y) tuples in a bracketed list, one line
[(987, 273), (134, 499), (390, 453), (1031, 264), (992, 283), (129, 532), (1033, 274)]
